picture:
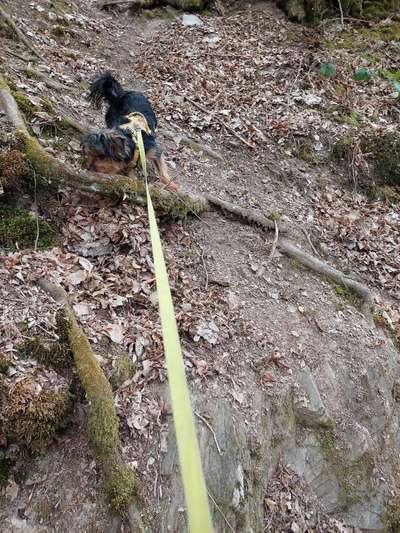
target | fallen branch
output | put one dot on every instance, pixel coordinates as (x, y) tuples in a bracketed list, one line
[(9, 21), (102, 417), (315, 264), (224, 124), (251, 215)]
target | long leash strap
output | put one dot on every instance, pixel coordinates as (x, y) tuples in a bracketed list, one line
[(188, 448)]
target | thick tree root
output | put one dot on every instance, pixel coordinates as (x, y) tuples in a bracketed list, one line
[(316, 265), (251, 215), (9, 21), (102, 418)]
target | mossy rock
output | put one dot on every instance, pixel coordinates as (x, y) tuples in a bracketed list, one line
[(31, 419), (19, 226)]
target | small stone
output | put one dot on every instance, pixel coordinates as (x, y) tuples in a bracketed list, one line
[(192, 20)]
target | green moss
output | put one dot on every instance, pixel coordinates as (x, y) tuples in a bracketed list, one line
[(4, 363), (121, 488), (58, 31), (343, 148), (343, 292), (25, 105), (160, 13), (124, 369), (13, 168), (307, 153), (54, 355), (47, 105), (174, 205), (30, 419), (60, 7), (353, 477), (19, 226), (384, 153), (391, 516)]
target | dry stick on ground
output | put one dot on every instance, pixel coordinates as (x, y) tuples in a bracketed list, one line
[(102, 418), (224, 124), (9, 21)]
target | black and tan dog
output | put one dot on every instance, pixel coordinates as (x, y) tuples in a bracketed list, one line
[(114, 151)]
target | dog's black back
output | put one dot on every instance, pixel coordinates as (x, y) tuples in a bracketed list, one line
[(121, 102)]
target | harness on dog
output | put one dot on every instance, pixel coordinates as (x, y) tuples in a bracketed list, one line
[(137, 122)]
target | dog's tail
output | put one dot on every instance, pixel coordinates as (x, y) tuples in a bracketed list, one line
[(105, 87)]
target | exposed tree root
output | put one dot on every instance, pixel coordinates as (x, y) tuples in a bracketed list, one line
[(102, 418), (251, 215), (9, 21), (38, 75), (315, 264)]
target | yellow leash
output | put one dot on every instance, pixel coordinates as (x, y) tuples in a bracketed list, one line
[(189, 454)]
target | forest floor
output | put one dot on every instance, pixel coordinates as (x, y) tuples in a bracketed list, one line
[(269, 81)]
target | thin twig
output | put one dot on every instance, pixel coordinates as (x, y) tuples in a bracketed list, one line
[(204, 265), (310, 241), (36, 211), (341, 14), (221, 511), (294, 83), (199, 106), (274, 244), (211, 429)]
